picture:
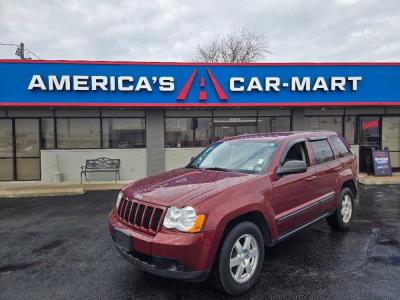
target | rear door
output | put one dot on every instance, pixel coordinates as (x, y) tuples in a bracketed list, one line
[(294, 194), (327, 168)]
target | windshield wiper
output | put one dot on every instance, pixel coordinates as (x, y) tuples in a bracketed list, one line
[(216, 169)]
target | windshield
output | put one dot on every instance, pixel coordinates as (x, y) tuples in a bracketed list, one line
[(247, 156)]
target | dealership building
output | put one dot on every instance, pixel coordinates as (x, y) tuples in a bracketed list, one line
[(156, 116)]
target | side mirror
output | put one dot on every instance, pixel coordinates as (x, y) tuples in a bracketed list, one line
[(292, 167), (192, 158)]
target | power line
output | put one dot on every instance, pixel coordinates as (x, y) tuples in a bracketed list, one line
[(8, 44), (31, 52)]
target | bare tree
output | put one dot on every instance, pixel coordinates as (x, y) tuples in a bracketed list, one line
[(237, 46)]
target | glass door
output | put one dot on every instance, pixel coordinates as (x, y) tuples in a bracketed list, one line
[(27, 149), (6, 150), (369, 139), (391, 139)]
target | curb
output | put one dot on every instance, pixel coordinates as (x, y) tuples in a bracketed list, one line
[(42, 193)]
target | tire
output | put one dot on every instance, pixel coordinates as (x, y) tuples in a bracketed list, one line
[(343, 216), (249, 261)]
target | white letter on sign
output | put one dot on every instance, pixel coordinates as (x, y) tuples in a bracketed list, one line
[(320, 84), (143, 84), (254, 84), (59, 85), (272, 83), (167, 84), (232, 84), (354, 82), (303, 85), (99, 82), (37, 83), (81, 83), (125, 88)]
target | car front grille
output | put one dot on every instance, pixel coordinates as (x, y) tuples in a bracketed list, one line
[(142, 216)]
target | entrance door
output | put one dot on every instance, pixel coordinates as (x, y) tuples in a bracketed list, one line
[(27, 149), (369, 138), (6, 150), (391, 139)]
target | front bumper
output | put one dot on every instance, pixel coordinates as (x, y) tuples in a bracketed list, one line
[(168, 254), (163, 267)]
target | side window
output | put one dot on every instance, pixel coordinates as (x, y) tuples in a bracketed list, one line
[(339, 146), (322, 151), (297, 152)]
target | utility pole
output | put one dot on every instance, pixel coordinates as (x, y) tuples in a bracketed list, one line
[(21, 51)]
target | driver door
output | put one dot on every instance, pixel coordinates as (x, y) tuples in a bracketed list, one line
[(295, 195)]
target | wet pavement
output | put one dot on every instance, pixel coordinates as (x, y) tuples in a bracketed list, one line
[(59, 248)]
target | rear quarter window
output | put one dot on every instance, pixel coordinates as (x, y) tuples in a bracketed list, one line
[(339, 145), (322, 151)]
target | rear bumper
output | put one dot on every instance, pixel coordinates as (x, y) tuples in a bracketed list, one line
[(168, 254)]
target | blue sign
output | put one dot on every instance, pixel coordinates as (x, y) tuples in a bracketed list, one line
[(80, 83)]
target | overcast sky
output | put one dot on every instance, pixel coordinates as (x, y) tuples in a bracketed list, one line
[(149, 30)]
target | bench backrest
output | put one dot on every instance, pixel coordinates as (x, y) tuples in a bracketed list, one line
[(102, 163)]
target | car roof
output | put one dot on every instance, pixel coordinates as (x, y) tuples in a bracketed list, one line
[(281, 135)]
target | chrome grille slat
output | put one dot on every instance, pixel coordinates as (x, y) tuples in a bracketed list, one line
[(143, 216)]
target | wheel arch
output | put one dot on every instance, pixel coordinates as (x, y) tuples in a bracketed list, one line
[(351, 185)]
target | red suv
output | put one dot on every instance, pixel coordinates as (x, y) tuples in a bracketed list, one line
[(240, 195)]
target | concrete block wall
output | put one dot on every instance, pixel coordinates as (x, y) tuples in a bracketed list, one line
[(69, 162)]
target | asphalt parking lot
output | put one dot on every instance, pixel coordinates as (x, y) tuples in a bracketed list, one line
[(59, 248)]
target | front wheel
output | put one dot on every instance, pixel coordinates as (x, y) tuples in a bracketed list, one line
[(343, 215), (240, 259)]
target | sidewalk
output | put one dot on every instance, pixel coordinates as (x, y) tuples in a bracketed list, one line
[(39, 189), (381, 180)]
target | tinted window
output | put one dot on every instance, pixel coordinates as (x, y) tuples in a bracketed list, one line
[(74, 133), (123, 132), (339, 145), (322, 151), (187, 132)]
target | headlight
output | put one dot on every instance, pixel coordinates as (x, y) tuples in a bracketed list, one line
[(183, 219), (119, 198)]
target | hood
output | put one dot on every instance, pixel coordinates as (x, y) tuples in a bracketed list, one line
[(182, 187)]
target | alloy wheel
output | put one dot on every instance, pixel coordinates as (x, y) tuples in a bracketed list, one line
[(347, 208), (244, 258)]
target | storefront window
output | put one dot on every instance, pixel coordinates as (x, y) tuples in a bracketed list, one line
[(350, 129), (369, 131), (391, 138), (48, 141), (224, 127), (187, 132), (334, 123), (75, 133), (273, 124), (123, 133), (6, 150)]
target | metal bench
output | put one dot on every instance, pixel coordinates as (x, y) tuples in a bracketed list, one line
[(102, 164)]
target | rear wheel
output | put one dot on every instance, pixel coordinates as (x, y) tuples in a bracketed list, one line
[(343, 215), (240, 259)]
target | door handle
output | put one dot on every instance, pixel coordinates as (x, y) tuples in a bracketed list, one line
[(311, 178)]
